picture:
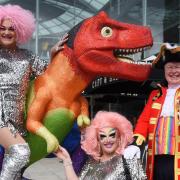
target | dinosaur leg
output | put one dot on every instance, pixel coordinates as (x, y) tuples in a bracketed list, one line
[(36, 113)]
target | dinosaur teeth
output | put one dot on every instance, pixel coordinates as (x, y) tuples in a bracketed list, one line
[(131, 55), (132, 62), (131, 50), (135, 59)]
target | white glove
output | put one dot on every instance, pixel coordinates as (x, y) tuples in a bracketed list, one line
[(132, 151)]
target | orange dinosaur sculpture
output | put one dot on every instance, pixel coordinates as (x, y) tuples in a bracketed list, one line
[(98, 48)]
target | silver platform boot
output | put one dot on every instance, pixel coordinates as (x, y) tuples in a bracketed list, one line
[(15, 159)]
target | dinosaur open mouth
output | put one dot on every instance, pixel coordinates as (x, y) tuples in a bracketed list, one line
[(129, 55)]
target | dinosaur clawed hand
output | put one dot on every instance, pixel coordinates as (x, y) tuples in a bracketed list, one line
[(52, 144), (51, 140), (83, 121)]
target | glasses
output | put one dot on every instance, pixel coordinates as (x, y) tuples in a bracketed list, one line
[(3, 28)]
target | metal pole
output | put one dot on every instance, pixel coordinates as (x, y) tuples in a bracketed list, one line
[(74, 3), (144, 20), (37, 27), (144, 12), (119, 7)]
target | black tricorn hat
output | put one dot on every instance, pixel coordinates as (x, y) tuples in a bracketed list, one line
[(168, 53)]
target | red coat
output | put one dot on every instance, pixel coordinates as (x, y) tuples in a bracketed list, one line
[(146, 127)]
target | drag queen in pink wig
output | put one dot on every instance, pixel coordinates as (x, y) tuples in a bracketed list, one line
[(22, 21), (104, 141), (16, 67)]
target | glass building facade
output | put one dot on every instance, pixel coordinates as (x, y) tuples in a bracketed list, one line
[(56, 17)]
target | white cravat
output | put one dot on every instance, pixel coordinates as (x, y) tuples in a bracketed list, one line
[(168, 106)]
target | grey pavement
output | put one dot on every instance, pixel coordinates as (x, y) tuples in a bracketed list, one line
[(45, 169)]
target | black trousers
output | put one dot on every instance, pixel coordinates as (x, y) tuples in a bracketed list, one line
[(163, 167)]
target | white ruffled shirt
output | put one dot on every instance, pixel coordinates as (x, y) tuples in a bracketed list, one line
[(168, 106)]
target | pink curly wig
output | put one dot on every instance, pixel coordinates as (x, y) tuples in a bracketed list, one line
[(107, 119), (23, 21)]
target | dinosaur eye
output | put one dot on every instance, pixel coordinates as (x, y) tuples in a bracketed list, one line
[(106, 31)]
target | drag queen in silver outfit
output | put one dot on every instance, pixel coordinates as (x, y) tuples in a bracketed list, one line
[(16, 67), (104, 141)]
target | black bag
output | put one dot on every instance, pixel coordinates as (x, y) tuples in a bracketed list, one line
[(126, 169)]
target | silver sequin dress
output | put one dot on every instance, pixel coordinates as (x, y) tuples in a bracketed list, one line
[(16, 68), (112, 170)]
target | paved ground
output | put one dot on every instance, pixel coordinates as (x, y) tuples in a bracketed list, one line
[(46, 169)]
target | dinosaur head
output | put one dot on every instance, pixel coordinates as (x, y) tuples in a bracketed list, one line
[(102, 44)]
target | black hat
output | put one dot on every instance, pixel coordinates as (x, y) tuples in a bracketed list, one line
[(168, 53)]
